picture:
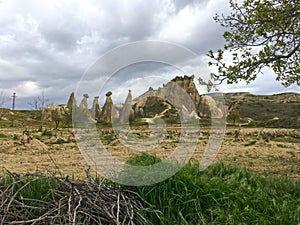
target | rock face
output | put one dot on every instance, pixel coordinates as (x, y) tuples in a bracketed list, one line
[(127, 110), (106, 114), (182, 93), (155, 106), (72, 101), (84, 103), (95, 112), (208, 107)]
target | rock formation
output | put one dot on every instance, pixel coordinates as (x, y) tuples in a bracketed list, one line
[(181, 91), (127, 110), (72, 101), (84, 103), (95, 112), (155, 106), (106, 114), (208, 107)]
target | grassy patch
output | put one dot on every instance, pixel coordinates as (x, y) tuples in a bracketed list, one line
[(3, 135), (15, 137), (220, 195), (251, 143), (47, 133), (59, 141), (286, 139), (282, 146)]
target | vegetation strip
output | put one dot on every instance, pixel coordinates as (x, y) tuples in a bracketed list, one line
[(221, 194)]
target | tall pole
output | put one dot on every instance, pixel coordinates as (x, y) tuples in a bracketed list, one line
[(14, 101)]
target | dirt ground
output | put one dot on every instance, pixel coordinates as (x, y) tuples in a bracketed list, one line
[(267, 151)]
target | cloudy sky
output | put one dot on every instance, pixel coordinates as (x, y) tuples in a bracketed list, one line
[(52, 46)]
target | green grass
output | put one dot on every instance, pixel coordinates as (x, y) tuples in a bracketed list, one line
[(282, 146), (3, 135), (59, 141), (251, 143), (286, 139), (15, 137), (219, 195), (31, 191), (47, 133)]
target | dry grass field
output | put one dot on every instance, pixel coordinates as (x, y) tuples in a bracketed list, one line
[(266, 151)]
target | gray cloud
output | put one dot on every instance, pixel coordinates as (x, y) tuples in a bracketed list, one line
[(48, 45)]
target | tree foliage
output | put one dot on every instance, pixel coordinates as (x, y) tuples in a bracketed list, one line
[(259, 34), (234, 116), (56, 116)]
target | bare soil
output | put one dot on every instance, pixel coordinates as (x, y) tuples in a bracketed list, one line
[(266, 151)]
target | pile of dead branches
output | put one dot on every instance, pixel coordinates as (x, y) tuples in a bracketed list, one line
[(67, 202)]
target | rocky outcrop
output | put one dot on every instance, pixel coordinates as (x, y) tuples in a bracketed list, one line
[(95, 111), (208, 107), (181, 91), (107, 112), (127, 111), (155, 106), (84, 103), (72, 101)]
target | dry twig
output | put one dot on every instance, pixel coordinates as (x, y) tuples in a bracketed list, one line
[(70, 202)]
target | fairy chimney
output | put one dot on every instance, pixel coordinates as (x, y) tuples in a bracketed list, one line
[(72, 101), (84, 103), (106, 113), (95, 108), (127, 109)]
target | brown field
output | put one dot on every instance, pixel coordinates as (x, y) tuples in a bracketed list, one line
[(266, 151)]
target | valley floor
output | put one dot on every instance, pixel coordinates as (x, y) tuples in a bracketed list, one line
[(266, 151)]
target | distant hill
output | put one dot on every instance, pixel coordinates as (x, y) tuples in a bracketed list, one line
[(278, 110)]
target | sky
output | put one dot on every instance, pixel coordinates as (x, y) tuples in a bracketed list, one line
[(52, 47)]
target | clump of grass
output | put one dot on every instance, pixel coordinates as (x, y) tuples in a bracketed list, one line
[(47, 133), (282, 146), (143, 159), (59, 141), (15, 137), (251, 143), (219, 195), (3, 135), (287, 139)]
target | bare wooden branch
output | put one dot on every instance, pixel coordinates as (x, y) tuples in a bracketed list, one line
[(70, 202)]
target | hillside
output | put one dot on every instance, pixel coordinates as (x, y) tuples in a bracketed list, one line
[(278, 110)]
